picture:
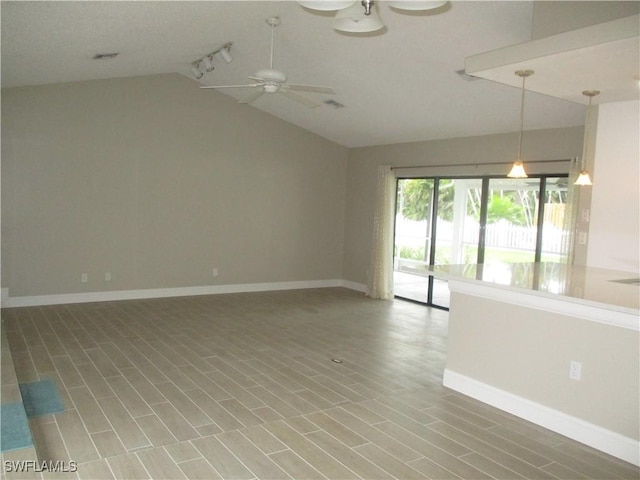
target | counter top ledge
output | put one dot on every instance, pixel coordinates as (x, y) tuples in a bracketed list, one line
[(584, 292)]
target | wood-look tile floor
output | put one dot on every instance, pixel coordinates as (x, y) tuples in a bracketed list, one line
[(244, 386)]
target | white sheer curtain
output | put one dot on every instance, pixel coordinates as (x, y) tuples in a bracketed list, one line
[(570, 226), (380, 284)]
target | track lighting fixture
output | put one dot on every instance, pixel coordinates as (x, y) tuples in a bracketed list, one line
[(517, 171), (362, 16), (205, 64), (584, 179)]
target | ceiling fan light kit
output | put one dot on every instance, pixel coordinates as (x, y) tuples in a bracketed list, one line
[(326, 6), (354, 20), (362, 16), (416, 5), (269, 80)]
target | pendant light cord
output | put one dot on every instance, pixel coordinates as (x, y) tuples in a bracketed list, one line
[(524, 78), (585, 148), (585, 141)]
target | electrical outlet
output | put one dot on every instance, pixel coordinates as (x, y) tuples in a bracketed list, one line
[(585, 215), (575, 370), (582, 238), (84, 278), (215, 272), (107, 277)]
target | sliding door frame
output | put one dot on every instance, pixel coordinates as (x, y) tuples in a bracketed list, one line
[(483, 214)]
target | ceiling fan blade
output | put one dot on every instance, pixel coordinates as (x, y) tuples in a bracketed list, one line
[(310, 88), (232, 86), (300, 99), (251, 97)]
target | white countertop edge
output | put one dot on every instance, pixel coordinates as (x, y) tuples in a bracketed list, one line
[(601, 313)]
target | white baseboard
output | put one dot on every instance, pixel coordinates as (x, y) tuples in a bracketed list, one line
[(359, 287), (30, 301), (597, 437)]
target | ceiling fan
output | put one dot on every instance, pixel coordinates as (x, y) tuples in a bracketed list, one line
[(269, 80)]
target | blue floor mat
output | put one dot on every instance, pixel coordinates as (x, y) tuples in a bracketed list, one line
[(15, 433), (41, 398)]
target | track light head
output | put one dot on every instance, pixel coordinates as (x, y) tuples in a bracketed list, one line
[(225, 53), (195, 69), (208, 64)]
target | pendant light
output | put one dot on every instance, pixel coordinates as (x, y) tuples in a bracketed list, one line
[(583, 178), (517, 171)]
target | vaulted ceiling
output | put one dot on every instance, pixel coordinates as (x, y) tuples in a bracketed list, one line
[(400, 85)]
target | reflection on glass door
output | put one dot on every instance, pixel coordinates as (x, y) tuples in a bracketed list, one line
[(442, 221), (524, 225), (511, 231)]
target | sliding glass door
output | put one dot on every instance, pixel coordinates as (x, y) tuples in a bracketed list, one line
[(457, 229), (413, 234), (442, 221)]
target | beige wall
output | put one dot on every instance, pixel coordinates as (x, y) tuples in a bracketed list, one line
[(527, 352), (158, 182), (363, 162)]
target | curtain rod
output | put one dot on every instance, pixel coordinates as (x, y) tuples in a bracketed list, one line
[(478, 164)]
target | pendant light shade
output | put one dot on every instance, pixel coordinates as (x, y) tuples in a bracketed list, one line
[(518, 171), (354, 20), (415, 4), (584, 179), (326, 6)]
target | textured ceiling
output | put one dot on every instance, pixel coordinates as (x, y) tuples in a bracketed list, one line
[(397, 86)]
